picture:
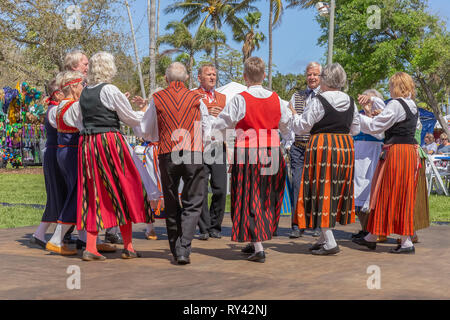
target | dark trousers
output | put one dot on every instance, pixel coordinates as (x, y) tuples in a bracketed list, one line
[(211, 218), (297, 156), (182, 219)]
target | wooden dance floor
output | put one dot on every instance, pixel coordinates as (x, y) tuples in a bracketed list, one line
[(219, 270)]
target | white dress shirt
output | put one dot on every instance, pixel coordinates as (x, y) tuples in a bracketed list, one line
[(391, 114), (314, 112), (235, 111)]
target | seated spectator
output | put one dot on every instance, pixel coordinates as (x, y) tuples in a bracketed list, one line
[(430, 147), (444, 147)]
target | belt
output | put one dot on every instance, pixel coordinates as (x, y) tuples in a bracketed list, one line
[(301, 144), (66, 145)]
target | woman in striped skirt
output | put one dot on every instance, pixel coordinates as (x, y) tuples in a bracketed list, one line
[(326, 188), (110, 189), (393, 193)]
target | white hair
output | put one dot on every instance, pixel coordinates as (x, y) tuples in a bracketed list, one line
[(313, 65), (334, 76), (176, 72), (102, 68), (73, 59), (373, 93)]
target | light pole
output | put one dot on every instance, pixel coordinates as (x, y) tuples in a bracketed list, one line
[(324, 9)]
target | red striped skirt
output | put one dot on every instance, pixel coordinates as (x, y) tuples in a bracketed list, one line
[(110, 189), (327, 189), (256, 198), (393, 192)]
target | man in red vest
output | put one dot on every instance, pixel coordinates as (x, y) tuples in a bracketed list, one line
[(210, 222), (177, 119)]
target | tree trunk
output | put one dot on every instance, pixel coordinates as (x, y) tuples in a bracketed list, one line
[(270, 44), (216, 54), (157, 25), (138, 64), (152, 17), (191, 70), (431, 100)]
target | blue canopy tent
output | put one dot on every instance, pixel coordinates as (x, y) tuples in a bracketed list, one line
[(428, 121)]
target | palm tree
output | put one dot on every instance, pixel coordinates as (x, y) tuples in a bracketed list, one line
[(246, 33), (214, 12), (151, 11), (303, 4), (275, 12), (183, 41)]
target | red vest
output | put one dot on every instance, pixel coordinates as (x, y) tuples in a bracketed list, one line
[(220, 100), (62, 127), (259, 127), (178, 113)]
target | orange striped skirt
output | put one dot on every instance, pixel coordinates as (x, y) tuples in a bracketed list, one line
[(326, 190), (393, 192)]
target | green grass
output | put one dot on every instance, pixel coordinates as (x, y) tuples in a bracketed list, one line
[(22, 188), (30, 189)]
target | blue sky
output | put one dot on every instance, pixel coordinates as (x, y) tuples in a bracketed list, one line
[(295, 39)]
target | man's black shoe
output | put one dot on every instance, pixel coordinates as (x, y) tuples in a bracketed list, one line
[(295, 234), (257, 257), (316, 246), (249, 249), (316, 233), (183, 260), (203, 236), (363, 242), (215, 235), (113, 238), (360, 234), (324, 252)]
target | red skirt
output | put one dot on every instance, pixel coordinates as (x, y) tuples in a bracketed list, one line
[(256, 193), (393, 193), (110, 189), (326, 193)]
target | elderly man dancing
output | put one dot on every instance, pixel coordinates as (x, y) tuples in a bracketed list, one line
[(178, 119)]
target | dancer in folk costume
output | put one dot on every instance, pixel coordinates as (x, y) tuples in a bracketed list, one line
[(326, 191), (258, 170), (54, 180), (393, 194), (367, 153), (210, 222), (110, 190), (299, 101), (179, 121), (66, 155)]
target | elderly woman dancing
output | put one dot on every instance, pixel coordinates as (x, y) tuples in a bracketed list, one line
[(110, 189), (393, 192), (326, 189)]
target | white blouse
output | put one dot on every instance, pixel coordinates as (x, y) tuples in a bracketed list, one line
[(314, 112), (113, 99), (235, 111), (391, 114)]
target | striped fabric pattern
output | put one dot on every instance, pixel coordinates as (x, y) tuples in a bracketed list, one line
[(256, 199), (300, 104), (327, 189), (110, 189), (178, 108), (393, 193)]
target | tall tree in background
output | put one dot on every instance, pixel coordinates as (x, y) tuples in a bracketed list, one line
[(401, 36), (275, 12), (214, 12), (151, 11), (247, 33), (183, 41), (41, 32)]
